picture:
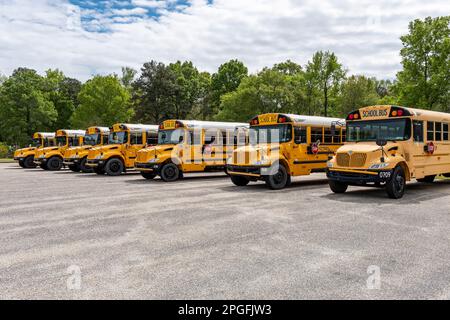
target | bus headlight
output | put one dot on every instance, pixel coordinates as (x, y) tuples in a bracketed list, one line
[(379, 165), (329, 164)]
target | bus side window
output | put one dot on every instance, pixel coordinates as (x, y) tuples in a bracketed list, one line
[(152, 138), (194, 137), (299, 135), (344, 135), (445, 131), (430, 131), (418, 131), (316, 135), (438, 131), (136, 138)]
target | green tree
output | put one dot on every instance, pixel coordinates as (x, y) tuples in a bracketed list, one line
[(270, 90), (153, 93), (226, 79), (24, 107), (62, 91), (356, 92), (425, 79), (103, 101), (187, 88), (127, 78), (325, 73)]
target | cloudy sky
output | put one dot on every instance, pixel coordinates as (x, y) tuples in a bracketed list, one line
[(86, 37)]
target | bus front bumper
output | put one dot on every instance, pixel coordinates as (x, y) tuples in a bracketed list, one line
[(357, 177), (147, 167), (39, 161), (71, 161), (97, 163), (256, 172)]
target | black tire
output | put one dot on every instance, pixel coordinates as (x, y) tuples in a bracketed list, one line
[(148, 175), (337, 186), (99, 171), (74, 167), (169, 172), (279, 179), (85, 168), (114, 167), (395, 187), (21, 163), (427, 179), (239, 180), (54, 164), (29, 162)]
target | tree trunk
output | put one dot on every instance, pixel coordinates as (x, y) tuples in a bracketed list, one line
[(325, 102)]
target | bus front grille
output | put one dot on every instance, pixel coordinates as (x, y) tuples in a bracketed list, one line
[(354, 160)]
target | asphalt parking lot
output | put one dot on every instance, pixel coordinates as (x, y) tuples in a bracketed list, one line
[(65, 235)]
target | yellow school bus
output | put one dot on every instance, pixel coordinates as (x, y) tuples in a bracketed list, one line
[(189, 146), (25, 156), (124, 141), (390, 145), (51, 158), (285, 145), (76, 157)]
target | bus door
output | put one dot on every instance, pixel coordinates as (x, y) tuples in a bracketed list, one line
[(418, 156), (136, 144), (193, 148)]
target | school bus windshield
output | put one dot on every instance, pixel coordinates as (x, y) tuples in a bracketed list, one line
[(170, 136), (92, 139), (270, 134), (118, 137), (36, 142), (61, 141), (391, 130)]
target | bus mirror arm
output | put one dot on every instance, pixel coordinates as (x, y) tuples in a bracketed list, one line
[(381, 143)]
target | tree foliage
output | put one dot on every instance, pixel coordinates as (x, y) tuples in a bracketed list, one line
[(425, 79), (25, 107), (103, 102)]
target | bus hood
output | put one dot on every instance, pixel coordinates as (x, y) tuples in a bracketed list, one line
[(365, 147), (148, 153)]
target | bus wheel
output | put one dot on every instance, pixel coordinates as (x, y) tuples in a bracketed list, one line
[(114, 167), (170, 172), (279, 179), (54, 164), (84, 168), (74, 167), (99, 171), (148, 175), (22, 163), (29, 162), (337, 186), (427, 179), (239, 181), (395, 187)]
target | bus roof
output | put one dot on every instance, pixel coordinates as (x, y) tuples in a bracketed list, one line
[(273, 118), (135, 127), (101, 129), (209, 124), (65, 132), (44, 135)]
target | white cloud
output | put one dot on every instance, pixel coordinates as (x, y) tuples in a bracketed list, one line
[(364, 34)]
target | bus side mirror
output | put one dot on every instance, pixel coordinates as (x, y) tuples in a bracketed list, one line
[(180, 139), (381, 142)]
